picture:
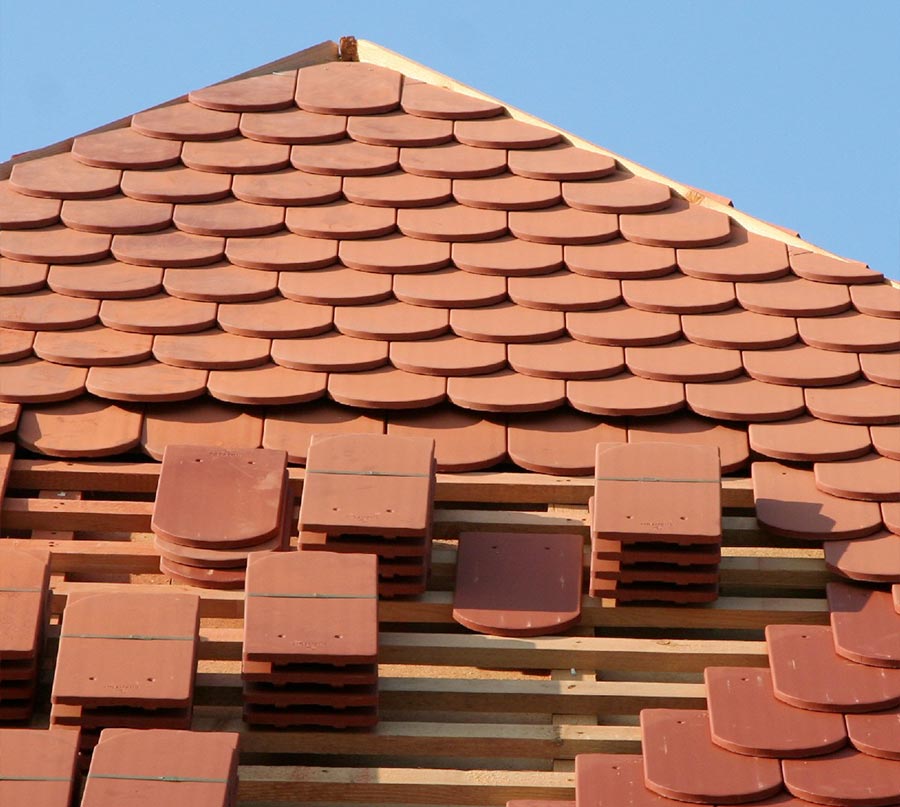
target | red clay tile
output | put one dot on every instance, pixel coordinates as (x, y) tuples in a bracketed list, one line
[(170, 248), (563, 225), (46, 310), (451, 222), (678, 294), (683, 361), (391, 320), (507, 256), (294, 126), (62, 177), (518, 584), (564, 291), (801, 365), (345, 158), (199, 423), (792, 296), (867, 478), (809, 674), (850, 332), (566, 358), (877, 300), (453, 160), (54, 245), (744, 257), (330, 352), (116, 214), (105, 280), (429, 101), (789, 503), (881, 368), (745, 399), (504, 133), (291, 430), (875, 734), (394, 254), (873, 559), (864, 624), (740, 329), (20, 212), (447, 355), (229, 218), (654, 553), (563, 162), (625, 394), (609, 780), (336, 285), (507, 322), (211, 350), (561, 442), (399, 129), (506, 192), (185, 121), (38, 767), (81, 428), (859, 402), (341, 219), (808, 439), (745, 717), (24, 578), (125, 148), (886, 440), (94, 346), (348, 88), (16, 344), (623, 326), (386, 388), (620, 259), (731, 443), (397, 190), (220, 283), (617, 193), (275, 318), (283, 251), (287, 187), (158, 314), (506, 391), (148, 382), (681, 762), (679, 225), (236, 155), (848, 778), (34, 381), (266, 384), (256, 94), (175, 185), (620, 578), (825, 269), (17, 277), (449, 288)]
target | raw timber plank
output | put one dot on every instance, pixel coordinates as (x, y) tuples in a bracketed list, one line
[(76, 515)]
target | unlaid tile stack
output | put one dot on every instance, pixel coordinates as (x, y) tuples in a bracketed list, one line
[(656, 523), (311, 640), (24, 581), (37, 767), (162, 767), (215, 507), (126, 660), (372, 493)]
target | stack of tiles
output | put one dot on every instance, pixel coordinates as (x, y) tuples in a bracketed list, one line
[(656, 528), (175, 768), (37, 767), (215, 507), (374, 494), (126, 660), (311, 640), (24, 579)]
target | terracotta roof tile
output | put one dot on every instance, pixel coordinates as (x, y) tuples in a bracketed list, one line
[(880, 300), (506, 391), (116, 214), (185, 121), (206, 423), (744, 399), (875, 558), (157, 314), (504, 133), (563, 225), (625, 326), (801, 365), (345, 158), (867, 478), (286, 188), (881, 368), (565, 358), (386, 388), (448, 355), (81, 428), (16, 344), (397, 189), (291, 430), (508, 323), (850, 332), (391, 320), (39, 766), (229, 218), (348, 88), (449, 288), (428, 101), (337, 285), (20, 212), (562, 161), (506, 192), (147, 381), (31, 380), (266, 384), (507, 256), (54, 245), (260, 93), (741, 329), (341, 219), (683, 361), (825, 269), (275, 318), (846, 778), (399, 129), (293, 126), (793, 297), (625, 394), (454, 161), (886, 440), (169, 248), (48, 311), (731, 442), (620, 259), (330, 351), (451, 223), (235, 156), (678, 294), (744, 257), (95, 346), (211, 350), (864, 624), (394, 253), (564, 291), (618, 192), (176, 185), (125, 148), (17, 277), (808, 439), (875, 734), (62, 177), (219, 283), (858, 402)]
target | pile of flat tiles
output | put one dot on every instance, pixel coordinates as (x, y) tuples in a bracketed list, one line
[(370, 493), (821, 722), (656, 530), (311, 640), (126, 660), (24, 593), (215, 507), (163, 767), (37, 767)]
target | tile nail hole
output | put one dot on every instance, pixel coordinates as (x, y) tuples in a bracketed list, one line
[(680, 722), (91, 678), (151, 680), (338, 636), (198, 460), (280, 635), (493, 547), (683, 518), (388, 510), (628, 517)]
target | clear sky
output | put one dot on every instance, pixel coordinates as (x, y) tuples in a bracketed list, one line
[(789, 107)]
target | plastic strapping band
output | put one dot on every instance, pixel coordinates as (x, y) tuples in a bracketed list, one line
[(157, 778), (366, 473), (656, 479), (312, 596), (136, 636)]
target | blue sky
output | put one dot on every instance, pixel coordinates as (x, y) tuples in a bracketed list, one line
[(790, 108)]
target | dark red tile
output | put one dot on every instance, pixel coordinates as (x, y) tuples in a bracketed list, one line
[(175, 185), (683, 361), (850, 332), (682, 762), (864, 624), (562, 161), (38, 766), (199, 423), (859, 402), (16, 344), (739, 329), (395, 254), (655, 554), (564, 291), (429, 101), (84, 427), (449, 288), (678, 294), (620, 259), (34, 381), (508, 257), (125, 148), (867, 478), (793, 297), (17, 277), (507, 322), (745, 399), (448, 355), (731, 442), (46, 310), (609, 780), (266, 384), (62, 177), (623, 326), (453, 160), (229, 217), (881, 368), (518, 584), (566, 358), (236, 155), (397, 190), (345, 158), (185, 121), (220, 283), (20, 212), (808, 439), (54, 245), (619, 192), (24, 578), (620, 576), (348, 88), (399, 129), (848, 778), (336, 285), (504, 133), (294, 126), (745, 717), (506, 192), (876, 734), (211, 350), (169, 249), (877, 300), (330, 352), (391, 320), (147, 381), (451, 222), (563, 225), (275, 318), (801, 365), (255, 94), (93, 346), (386, 388), (287, 187), (744, 257), (825, 269), (789, 503), (506, 391), (625, 394), (157, 314), (886, 440), (874, 559)]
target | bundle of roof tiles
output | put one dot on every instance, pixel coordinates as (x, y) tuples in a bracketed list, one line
[(311, 640), (372, 494), (24, 612), (215, 507), (38, 767), (126, 660)]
